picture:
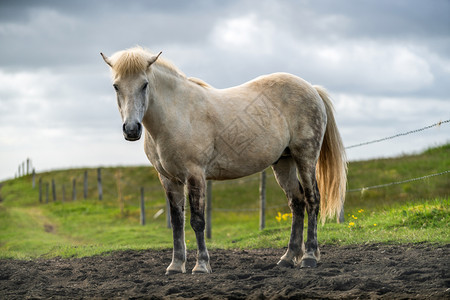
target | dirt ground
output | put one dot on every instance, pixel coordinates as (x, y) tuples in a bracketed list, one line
[(354, 272)]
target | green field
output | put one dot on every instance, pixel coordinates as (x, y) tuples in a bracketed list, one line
[(413, 212)]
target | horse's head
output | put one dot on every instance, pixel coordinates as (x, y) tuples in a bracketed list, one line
[(131, 83)]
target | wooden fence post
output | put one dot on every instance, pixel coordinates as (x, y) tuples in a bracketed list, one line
[(169, 223), (28, 166), (85, 184), (63, 193), (142, 207), (53, 190), (341, 216), (262, 198), (40, 190), (74, 189), (209, 209), (119, 192), (46, 192), (99, 184), (34, 179)]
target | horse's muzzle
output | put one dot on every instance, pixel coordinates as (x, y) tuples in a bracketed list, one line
[(132, 131)]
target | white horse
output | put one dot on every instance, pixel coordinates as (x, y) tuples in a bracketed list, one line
[(194, 132)]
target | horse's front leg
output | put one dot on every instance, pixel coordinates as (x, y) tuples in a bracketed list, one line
[(175, 195), (196, 190)]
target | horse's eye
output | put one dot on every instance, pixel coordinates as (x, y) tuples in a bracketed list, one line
[(116, 87), (144, 87)]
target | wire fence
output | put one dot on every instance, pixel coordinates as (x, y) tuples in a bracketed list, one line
[(396, 182), (398, 135)]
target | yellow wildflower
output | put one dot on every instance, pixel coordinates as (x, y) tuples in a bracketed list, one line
[(278, 217), (354, 217), (285, 216)]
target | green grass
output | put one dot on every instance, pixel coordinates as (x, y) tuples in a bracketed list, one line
[(406, 213), (381, 171)]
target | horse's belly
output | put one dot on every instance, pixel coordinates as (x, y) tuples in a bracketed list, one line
[(246, 157)]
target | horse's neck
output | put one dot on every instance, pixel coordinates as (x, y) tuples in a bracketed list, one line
[(172, 102), (165, 79)]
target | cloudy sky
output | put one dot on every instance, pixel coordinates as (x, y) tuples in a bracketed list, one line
[(386, 64)]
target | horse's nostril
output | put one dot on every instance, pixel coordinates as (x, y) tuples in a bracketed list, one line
[(131, 127), (132, 131)]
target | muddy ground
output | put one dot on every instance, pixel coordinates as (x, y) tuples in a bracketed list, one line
[(368, 271)]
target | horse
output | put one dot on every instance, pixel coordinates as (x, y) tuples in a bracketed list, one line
[(194, 132)]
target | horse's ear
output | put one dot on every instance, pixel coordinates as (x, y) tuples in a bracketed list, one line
[(153, 59), (106, 59)]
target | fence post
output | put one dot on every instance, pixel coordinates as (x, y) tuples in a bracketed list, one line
[(34, 178), (53, 190), (262, 198), (169, 223), (208, 209), (142, 207), (46, 192), (74, 189), (119, 192), (85, 184), (99, 183), (63, 193), (40, 190), (28, 166), (341, 217)]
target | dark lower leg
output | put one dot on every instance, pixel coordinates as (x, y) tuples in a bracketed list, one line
[(311, 242), (312, 249), (295, 247), (197, 202), (177, 220), (179, 246)]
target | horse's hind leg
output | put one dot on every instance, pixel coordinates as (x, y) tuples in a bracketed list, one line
[(196, 188), (306, 165), (175, 195), (286, 175)]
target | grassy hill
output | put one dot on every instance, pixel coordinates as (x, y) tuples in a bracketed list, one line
[(411, 212)]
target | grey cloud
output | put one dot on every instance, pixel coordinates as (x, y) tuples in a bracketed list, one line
[(64, 33), (372, 19)]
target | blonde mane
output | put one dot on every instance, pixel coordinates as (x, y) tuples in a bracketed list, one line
[(135, 60), (199, 82)]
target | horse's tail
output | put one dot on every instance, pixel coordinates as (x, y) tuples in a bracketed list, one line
[(331, 168)]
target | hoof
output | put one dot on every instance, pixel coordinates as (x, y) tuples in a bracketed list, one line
[(173, 272), (309, 263), (285, 264), (202, 269), (176, 268)]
